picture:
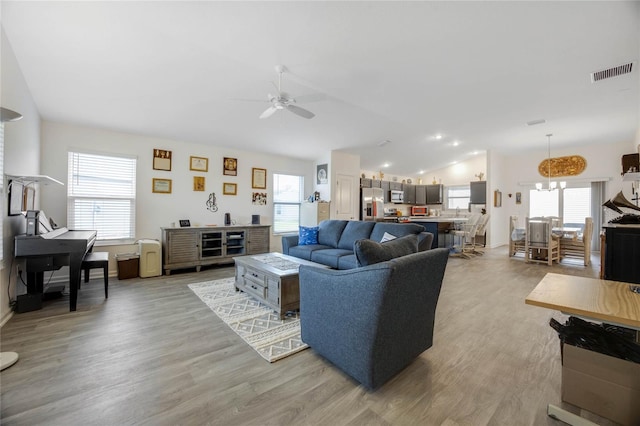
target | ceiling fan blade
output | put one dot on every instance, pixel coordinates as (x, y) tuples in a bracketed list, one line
[(268, 112), (300, 111)]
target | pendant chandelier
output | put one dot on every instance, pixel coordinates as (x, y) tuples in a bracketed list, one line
[(551, 186)]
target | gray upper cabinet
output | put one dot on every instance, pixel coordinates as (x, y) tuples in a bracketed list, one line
[(365, 183), (409, 193), (395, 186), (386, 187), (435, 194), (421, 194), (478, 192)]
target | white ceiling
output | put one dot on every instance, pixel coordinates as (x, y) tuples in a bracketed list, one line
[(474, 72)]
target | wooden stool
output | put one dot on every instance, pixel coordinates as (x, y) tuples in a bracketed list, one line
[(99, 259)]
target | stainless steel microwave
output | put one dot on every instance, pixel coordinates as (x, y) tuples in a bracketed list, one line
[(397, 196)]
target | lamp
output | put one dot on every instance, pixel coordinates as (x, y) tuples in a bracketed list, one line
[(551, 186)]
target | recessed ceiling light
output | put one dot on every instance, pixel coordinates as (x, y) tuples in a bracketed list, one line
[(455, 143), (385, 165), (421, 172), (438, 136)]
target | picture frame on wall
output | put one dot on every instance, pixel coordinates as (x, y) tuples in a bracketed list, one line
[(258, 178), (497, 198), (229, 188), (16, 198), (198, 183), (322, 174), (161, 159), (199, 164), (230, 166), (161, 186), (518, 197)]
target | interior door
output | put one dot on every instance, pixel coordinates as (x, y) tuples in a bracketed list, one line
[(345, 199)]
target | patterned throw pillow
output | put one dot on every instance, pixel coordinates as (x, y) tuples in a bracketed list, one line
[(387, 237), (308, 235)]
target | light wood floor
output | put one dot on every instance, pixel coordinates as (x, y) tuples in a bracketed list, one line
[(155, 354)]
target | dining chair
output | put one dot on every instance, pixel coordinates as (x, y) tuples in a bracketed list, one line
[(540, 244)]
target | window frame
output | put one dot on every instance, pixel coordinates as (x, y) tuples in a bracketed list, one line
[(458, 187), (277, 203), (130, 198)]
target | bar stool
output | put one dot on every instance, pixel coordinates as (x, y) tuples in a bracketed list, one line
[(99, 259)]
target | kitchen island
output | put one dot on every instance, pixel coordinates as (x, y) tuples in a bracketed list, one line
[(439, 226)]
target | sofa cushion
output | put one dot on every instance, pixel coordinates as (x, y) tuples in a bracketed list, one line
[(304, 252), (348, 262), (397, 229), (369, 252), (329, 232), (308, 235), (329, 257), (354, 231)]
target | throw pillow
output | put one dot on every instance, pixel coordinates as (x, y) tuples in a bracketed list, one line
[(308, 235), (387, 237), (369, 252)]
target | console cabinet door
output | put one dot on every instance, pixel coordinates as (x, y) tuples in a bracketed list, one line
[(258, 240), (181, 246)]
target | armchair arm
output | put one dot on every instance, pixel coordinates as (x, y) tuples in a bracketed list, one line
[(288, 241)]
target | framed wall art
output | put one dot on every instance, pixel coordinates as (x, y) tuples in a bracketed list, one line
[(199, 164), (161, 186), (258, 178), (161, 159), (229, 188), (322, 174), (230, 166), (16, 198), (259, 199), (497, 198), (198, 183)]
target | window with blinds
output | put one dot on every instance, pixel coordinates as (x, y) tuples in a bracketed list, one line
[(544, 203), (458, 197), (287, 196), (576, 205), (101, 195)]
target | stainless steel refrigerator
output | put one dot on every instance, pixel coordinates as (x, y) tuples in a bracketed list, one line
[(371, 204)]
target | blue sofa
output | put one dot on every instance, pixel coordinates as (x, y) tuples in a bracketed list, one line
[(336, 240), (372, 321)]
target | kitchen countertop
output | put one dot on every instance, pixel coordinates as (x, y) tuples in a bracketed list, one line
[(437, 219)]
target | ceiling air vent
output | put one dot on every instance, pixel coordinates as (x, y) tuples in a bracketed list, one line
[(611, 72)]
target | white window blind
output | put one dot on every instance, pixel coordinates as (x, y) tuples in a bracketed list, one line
[(458, 197), (544, 203), (577, 205), (101, 195), (287, 196)]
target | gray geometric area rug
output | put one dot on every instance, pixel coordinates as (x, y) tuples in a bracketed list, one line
[(257, 324)]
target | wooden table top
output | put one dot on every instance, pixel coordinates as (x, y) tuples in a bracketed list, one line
[(609, 301)]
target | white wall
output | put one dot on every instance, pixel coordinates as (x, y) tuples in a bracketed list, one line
[(21, 156), (460, 173), (154, 210)]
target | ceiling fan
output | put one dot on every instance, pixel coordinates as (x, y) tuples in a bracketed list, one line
[(283, 100)]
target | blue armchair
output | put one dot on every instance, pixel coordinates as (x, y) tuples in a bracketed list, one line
[(373, 321)]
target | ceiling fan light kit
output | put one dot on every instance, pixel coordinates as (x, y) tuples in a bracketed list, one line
[(284, 100)]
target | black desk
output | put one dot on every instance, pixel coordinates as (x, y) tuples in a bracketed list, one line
[(51, 251)]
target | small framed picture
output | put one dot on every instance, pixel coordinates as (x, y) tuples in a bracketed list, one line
[(258, 178), (229, 188), (161, 159), (162, 186), (518, 197), (497, 198), (184, 223), (199, 164), (230, 166), (198, 183)]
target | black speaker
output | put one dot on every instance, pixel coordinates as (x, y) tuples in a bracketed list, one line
[(28, 303), (255, 219), (33, 222), (227, 219)]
